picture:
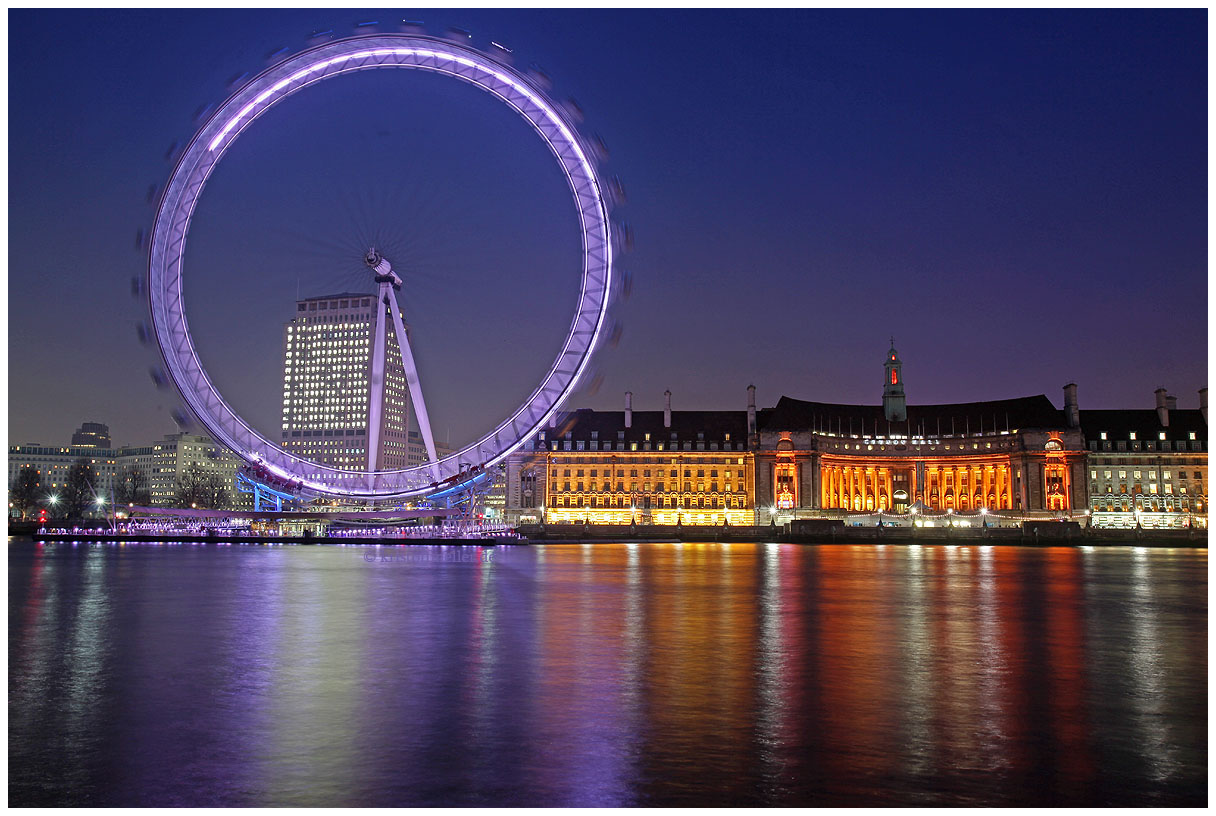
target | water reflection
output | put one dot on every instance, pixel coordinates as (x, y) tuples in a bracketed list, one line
[(636, 674)]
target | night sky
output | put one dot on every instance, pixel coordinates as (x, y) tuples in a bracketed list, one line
[(1020, 198)]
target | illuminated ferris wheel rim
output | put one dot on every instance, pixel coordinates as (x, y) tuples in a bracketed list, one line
[(202, 154)]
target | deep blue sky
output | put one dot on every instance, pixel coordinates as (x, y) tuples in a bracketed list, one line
[(1020, 198)]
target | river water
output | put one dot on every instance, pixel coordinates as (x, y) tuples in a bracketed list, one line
[(620, 674)]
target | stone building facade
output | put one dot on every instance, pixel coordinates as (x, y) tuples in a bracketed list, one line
[(1147, 462), (649, 467), (818, 459)]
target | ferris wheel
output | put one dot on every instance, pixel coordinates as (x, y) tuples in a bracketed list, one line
[(577, 160)]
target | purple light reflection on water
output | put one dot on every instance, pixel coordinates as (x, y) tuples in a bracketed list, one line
[(606, 675)]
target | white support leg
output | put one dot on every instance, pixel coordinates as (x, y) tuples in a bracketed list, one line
[(375, 405), (411, 379)]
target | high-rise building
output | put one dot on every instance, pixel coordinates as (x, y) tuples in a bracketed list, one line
[(91, 435), (327, 361)]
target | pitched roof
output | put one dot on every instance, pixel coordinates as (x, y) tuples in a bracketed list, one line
[(714, 425), (1120, 424), (964, 417)]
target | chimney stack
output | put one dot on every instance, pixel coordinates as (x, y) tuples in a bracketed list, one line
[(1072, 411), (1163, 410), (1203, 403), (667, 410), (751, 410), (628, 409), (1171, 402)]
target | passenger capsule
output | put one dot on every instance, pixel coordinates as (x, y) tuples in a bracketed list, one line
[(574, 110), (201, 113), (540, 77)]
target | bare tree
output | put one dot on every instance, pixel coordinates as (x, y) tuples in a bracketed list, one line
[(133, 488), (26, 490), (78, 492), (205, 489)]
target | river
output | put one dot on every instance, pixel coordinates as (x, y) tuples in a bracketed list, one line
[(606, 674)]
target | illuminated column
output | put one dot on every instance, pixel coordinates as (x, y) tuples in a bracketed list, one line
[(890, 489)]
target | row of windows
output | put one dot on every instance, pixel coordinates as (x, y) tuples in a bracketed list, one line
[(646, 488), (322, 305), (1131, 436), (649, 460), (632, 446), (674, 473), (1152, 474), (1173, 461), (646, 503)]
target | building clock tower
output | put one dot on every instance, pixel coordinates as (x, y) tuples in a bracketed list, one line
[(894, 404)]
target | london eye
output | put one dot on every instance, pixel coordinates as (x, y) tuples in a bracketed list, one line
[(575, 156)]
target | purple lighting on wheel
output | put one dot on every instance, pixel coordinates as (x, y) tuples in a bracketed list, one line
[(396, 52), (198, 160)]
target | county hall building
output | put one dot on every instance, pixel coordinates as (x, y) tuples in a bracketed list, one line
[(816, 459), (1019, 458)]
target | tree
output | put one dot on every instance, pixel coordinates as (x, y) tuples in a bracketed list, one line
[(133, 488), (78, 493), (204, 489), (26, 490)]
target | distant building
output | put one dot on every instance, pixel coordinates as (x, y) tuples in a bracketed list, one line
[(176, 453), (53, 463), (1147, 462), (815, 459), (327, 356), (91, 435), (163, 463), (653, 467)]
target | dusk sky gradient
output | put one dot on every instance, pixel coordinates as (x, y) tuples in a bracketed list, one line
[(1020, 198)]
